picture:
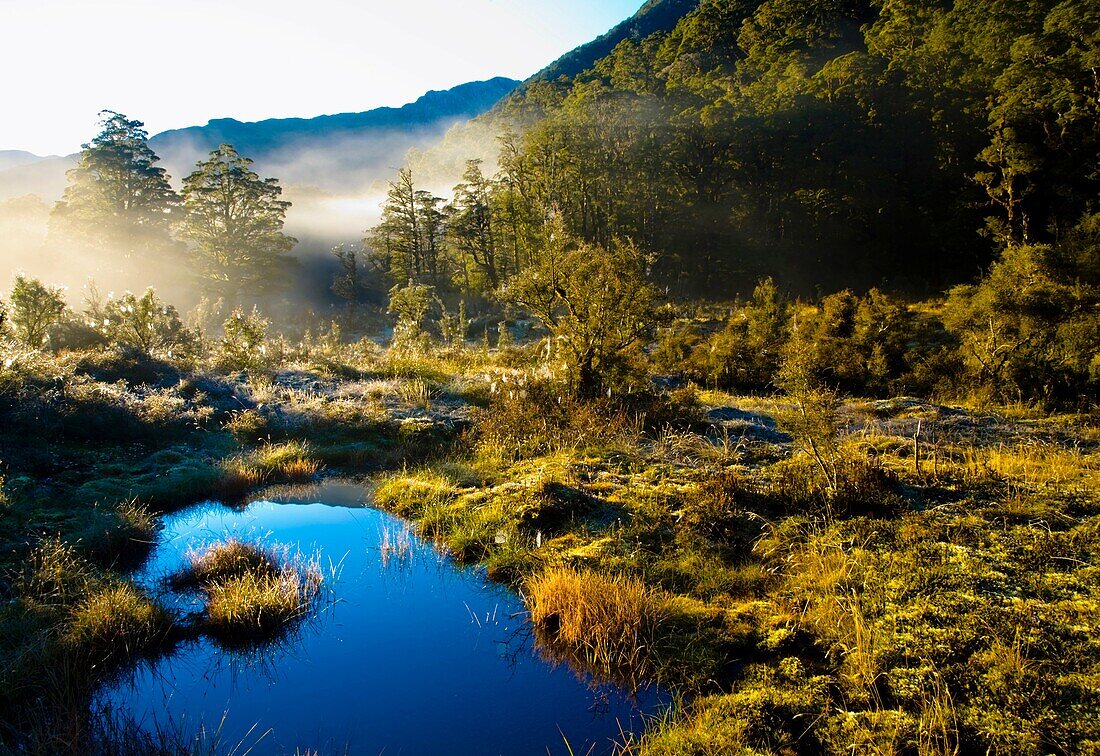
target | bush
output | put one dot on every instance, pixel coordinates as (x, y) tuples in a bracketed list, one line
[(243, 344), (34, 308), (144, 323)]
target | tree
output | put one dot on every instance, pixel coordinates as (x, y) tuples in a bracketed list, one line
[(235, 219), (118, 200), (406, 241), (597, 303), (471, 228), (347, 283), (34, 308)]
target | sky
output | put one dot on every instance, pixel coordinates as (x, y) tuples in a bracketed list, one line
[(176, 63)]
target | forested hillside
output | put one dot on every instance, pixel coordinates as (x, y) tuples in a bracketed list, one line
[(829, 144)]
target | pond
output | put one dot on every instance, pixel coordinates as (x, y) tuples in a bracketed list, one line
[(410, 654)]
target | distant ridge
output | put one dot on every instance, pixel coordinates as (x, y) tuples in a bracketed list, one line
[(331, 152), (259, 138), (16, 158)]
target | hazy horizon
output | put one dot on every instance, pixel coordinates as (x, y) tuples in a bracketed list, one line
[(332, 57)]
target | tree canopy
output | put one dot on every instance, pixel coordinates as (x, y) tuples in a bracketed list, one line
[(235, 219), (118, 201)]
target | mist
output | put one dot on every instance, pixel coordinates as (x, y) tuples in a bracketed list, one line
[(336, 187)]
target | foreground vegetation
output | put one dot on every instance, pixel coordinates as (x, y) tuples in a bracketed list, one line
[(809, 571), (940, 604)]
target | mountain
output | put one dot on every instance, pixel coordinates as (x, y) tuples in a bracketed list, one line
[(655, 16), (334, 152), (16, 158)]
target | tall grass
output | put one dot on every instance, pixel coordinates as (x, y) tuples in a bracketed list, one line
[(252, 593), (607, 622)]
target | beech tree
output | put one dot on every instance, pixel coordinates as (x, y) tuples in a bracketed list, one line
[(235, 220), (118, 201), (406, 243)]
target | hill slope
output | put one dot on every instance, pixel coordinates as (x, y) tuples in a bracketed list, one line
[(655, 16), (835, 144)]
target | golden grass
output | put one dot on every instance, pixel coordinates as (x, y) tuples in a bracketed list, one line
[(253, 606), (119, 621), (1034, 465), (608, 622), (299, 470), (238, 478), (231, 558), (251, 592)]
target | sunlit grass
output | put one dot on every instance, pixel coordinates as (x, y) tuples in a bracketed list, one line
[(252, 593)]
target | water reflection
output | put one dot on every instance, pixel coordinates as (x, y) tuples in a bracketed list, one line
[(412, 655)]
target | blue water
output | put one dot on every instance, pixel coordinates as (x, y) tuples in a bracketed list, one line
[(410, 655)]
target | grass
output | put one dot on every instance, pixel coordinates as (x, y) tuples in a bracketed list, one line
[(940, 609), (255, 607), (252, 593), (231, 558), (118, 621), (609, 623)]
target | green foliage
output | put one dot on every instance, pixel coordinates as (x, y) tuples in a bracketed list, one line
[(745, 355), (836, 144), (471, 229), (118, 201), (411, 304), (235, 220), (406, 244), (858, 345), (144, 323), (34, 308), (1029, 329), (597, 304), (243, 344), (347, 283)]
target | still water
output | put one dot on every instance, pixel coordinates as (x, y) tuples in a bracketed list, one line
[(409, 654)]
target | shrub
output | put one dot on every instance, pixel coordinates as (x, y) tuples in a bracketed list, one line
[(34, 308), (144, 323), (243, 344), (722, 510)]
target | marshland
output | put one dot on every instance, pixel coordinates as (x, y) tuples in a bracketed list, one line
[(729, 386)]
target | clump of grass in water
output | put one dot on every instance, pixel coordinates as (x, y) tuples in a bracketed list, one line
[(608, 623), (252, 593), (395, 545), (231, 558)]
